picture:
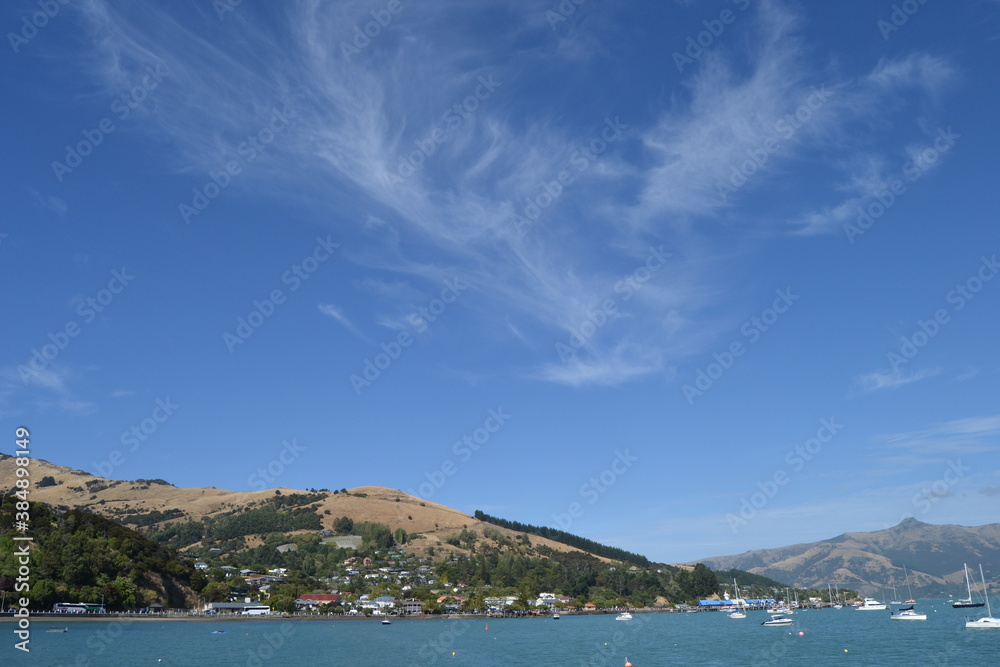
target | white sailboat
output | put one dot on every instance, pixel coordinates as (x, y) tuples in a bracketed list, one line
[(739, 603), (987, 621), (908, 614), (909, 590), (785, 608)]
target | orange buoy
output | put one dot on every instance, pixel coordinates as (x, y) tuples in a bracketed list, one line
[(487, 626), (627, 663)]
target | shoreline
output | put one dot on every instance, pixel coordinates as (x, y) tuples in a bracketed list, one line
[(58, 619)]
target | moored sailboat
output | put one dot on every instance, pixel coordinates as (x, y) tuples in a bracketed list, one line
[(987, 621), (908, 614), (968, 602), (739, 603), (909, 590)]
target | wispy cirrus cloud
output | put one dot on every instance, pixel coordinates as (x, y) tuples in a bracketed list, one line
[(938, 443), (360, 121), (337, 314), (893, 378), (46, 388)]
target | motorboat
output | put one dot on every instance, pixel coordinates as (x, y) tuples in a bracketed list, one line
[(908, 614), (779, 619), (737, 614), (57, 630), (624, 616), (555, 617), (871, 604), (386, 621)]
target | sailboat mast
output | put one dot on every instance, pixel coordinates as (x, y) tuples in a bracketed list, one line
[(989, 612)]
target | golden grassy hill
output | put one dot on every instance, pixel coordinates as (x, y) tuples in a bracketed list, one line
[(116, 499)]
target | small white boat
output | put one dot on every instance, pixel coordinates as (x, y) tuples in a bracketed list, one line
[(987, 621), (908, 614), (386, 621), (624, 616), (555, 617), (871, 604), (778, 619), (57, 630), (739, 603)]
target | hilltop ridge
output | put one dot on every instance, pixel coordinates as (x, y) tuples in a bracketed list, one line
[(873, 561)]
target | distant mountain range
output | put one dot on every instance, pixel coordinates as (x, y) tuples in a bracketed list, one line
[(873, 562)]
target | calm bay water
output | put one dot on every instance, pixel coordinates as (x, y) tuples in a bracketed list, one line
[(830, 637)]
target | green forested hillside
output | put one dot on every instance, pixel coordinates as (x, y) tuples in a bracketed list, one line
[(569, 539), (77, 556)]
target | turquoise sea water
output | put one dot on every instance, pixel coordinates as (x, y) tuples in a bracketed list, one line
[(829, 637)]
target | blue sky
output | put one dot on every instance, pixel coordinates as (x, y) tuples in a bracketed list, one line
[(689, 278)]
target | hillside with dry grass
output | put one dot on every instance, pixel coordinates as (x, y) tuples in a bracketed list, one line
[(156, 504)]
